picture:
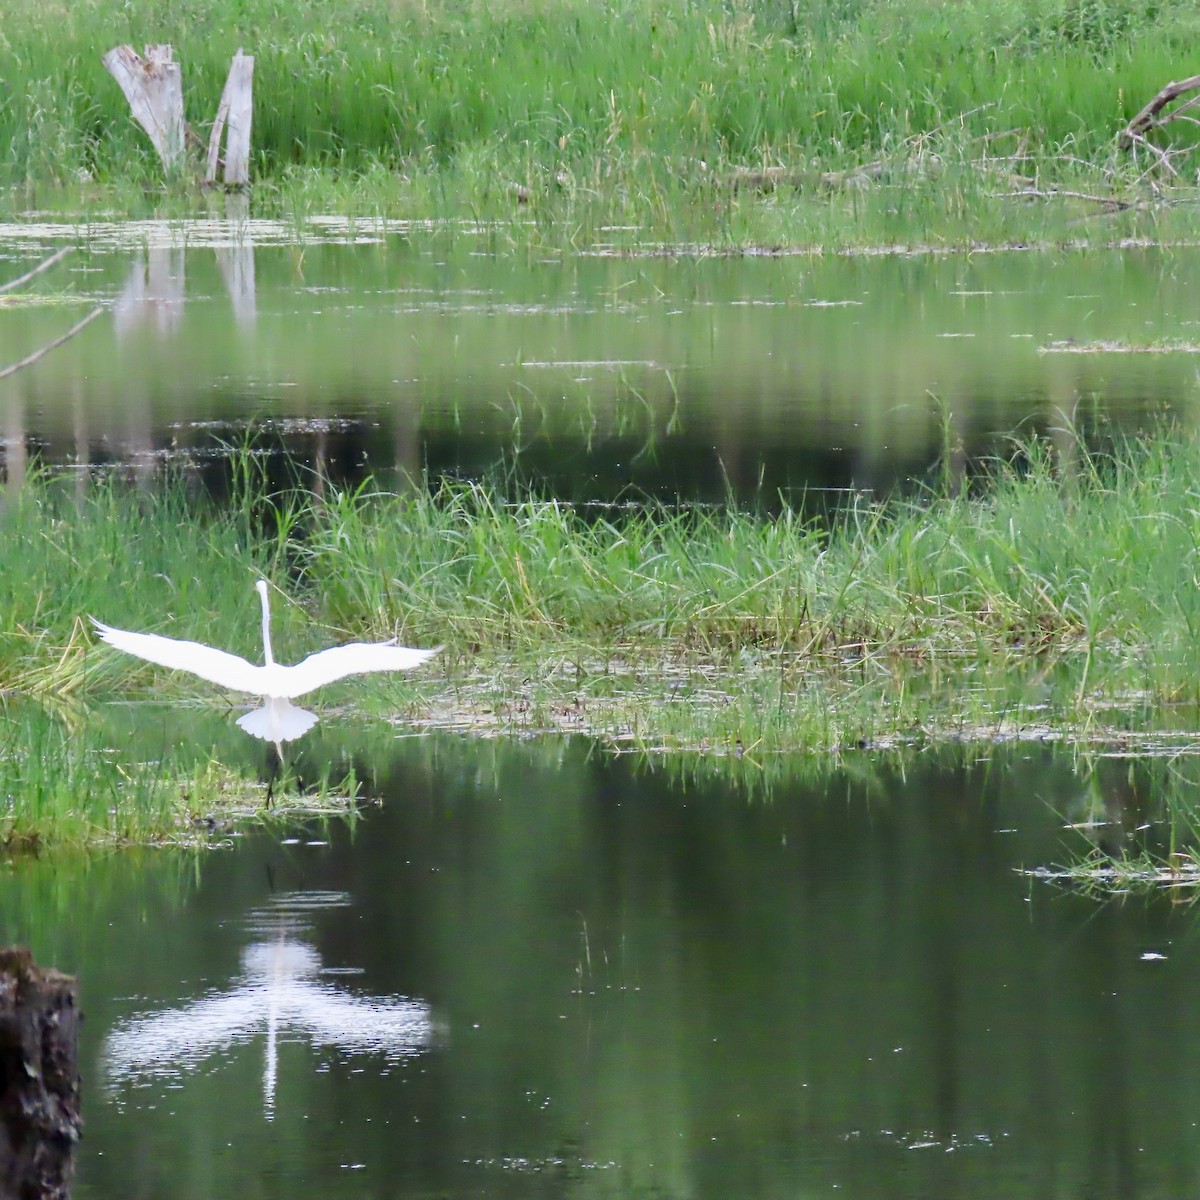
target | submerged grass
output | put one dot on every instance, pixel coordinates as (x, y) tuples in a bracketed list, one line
[(65, 781), (601, 115)]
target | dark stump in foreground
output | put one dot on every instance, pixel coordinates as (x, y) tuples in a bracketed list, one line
[(39, 1079)]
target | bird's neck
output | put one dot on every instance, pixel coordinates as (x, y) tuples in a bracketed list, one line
[(268, 657)]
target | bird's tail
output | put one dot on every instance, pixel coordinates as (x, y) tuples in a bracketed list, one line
[(278, 721)]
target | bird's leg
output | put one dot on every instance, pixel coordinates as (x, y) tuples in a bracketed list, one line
[(276, 763)]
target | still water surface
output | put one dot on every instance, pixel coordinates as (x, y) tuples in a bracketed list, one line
[(686, 377), (538, 970)]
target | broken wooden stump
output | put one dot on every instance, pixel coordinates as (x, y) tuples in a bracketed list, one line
[(154, 88), (40, 1119), (235, 110)]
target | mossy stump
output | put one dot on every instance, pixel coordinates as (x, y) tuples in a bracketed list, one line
[(40, 1119)]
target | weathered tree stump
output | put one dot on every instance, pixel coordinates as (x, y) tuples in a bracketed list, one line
[(154, 88), (236, 109), (40, 1120)]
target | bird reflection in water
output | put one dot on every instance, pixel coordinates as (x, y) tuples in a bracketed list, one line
[(281, 993)]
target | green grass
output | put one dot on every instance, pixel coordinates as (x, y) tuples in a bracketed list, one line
[(1051, 587), (1135, 826), (1056, 598), (67, 780), (620, 112), (1078, 584)]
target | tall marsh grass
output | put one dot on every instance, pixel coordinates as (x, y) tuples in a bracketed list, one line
[(63, 783), (1095, 558), (1058, 595), (645, 106), (1055, 594), (1056, 587)]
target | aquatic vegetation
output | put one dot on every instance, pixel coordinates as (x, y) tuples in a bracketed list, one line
[(68, 779), (1104, 875), (1055, 591), (1133, 826), (1053, 595), (1051, 598)]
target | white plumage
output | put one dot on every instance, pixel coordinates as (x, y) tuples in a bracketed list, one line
[(277, 720)]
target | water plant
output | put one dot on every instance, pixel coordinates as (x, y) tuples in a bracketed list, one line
[(77, 778), (1073, 578), (1053, 589)]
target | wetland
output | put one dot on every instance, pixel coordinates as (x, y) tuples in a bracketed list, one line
[(802, 802), (784, 419)]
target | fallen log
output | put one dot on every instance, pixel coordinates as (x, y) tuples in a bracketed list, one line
[(40, 1120)]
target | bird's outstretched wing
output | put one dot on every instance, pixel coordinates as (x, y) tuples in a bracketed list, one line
[(356, 658), (217, 666)]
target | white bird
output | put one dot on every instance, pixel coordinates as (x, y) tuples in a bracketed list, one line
[(277, 720)]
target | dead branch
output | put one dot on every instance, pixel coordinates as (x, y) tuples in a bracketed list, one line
[(42, 266), (960, 120), (1164, 159), (768, 179), (40, 354), (1149, 118), (1109, 203)]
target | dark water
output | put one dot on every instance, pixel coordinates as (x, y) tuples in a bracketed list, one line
[(406, 353), (536, 970)]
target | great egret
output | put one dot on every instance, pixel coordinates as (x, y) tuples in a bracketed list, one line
[(278, 720)]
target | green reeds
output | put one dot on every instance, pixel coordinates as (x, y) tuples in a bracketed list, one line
[(65, 776), (1059, 590), (1055, 597), (79, 777), (624, 111), (62, 783), (1062, 579)]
